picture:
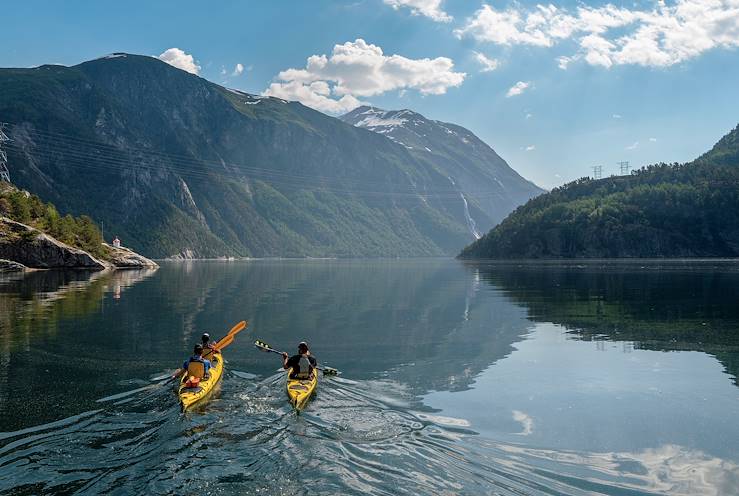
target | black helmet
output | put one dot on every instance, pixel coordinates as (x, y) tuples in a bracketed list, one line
[(206, 337)]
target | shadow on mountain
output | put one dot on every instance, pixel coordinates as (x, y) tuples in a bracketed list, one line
[(657, 305)]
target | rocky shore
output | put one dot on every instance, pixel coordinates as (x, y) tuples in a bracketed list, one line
[(28, 247)]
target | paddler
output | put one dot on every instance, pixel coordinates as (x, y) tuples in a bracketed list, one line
[(209, 347), (196, 367), (302, 364)]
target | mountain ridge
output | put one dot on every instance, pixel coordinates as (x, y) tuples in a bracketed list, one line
[(465, 159), (173, 163)]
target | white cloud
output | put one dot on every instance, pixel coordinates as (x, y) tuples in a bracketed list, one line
[(616, 116), (517, 88), (608, 35), (429, 8), (564, 62), (486, 62), (357, 69), (530, 148), (653, 140), (181, 60), (633, 146), (238, 70), (529, 115)]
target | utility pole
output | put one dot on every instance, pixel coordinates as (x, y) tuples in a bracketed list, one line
[(597, 171), (624, 167), (4, 172)]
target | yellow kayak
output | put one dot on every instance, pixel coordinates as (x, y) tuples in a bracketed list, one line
[(300, 390), (191, 395)]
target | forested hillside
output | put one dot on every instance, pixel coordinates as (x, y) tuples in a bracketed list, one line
[(80, 232), (663, 210)]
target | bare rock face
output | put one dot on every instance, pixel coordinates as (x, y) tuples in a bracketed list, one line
[(124, 258), (186, 254), (10, 266), (32, 248)]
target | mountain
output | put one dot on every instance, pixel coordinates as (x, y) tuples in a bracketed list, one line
[(663, 210), (174, 164), (488, 187)]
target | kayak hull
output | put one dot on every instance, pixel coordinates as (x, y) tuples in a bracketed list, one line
[(189, 396), (300, 390)]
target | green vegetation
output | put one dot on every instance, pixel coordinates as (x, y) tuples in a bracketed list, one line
[(80, 232), (663, 210), (665, 305)]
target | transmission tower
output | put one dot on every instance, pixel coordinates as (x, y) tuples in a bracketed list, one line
[(624, 167), (597, 171), (4, 172)]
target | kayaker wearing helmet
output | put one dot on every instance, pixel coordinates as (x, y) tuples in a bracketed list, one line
[(196, 367), (209, 347), (302, 364)]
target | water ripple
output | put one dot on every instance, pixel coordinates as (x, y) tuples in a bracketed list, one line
[(355, 437)]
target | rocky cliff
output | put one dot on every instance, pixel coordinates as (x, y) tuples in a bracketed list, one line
[(22, 244)]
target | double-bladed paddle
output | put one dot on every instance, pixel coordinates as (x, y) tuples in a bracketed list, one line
[(265, 347), (228, 338), (220, 344)]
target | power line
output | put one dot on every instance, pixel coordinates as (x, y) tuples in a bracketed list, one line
[(624, 167), (4, 172), (597, 171), (82, 153)]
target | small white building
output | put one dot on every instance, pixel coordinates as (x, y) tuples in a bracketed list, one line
[(116, 242)]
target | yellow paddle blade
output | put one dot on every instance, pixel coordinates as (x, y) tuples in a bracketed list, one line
[(237, 328), (224, 342)]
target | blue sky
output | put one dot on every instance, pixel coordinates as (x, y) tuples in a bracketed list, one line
[(638, 81)]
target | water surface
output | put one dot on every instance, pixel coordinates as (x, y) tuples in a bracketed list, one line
[(602, 378)]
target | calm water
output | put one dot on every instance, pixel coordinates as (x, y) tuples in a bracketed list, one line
[(456, 379)]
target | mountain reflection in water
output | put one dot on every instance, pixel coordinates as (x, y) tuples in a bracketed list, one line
[(456, 379)]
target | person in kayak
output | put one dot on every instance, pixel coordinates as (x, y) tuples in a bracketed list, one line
[(196, 367), (303, 364), (209, 347)]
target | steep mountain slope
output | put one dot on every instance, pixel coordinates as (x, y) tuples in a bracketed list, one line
[(665, 210), (488, 189), (170, 162)]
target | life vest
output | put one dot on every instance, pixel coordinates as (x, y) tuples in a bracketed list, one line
[(305, 368), (196, 367)]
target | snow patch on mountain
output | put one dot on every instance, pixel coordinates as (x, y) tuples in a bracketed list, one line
[(374, 118)]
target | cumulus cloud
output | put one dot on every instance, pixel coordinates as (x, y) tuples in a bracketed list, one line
[(359, 69), (238, 70), (429, 8), (487, 64), (181, 60), (608, 35), (517, 88)]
